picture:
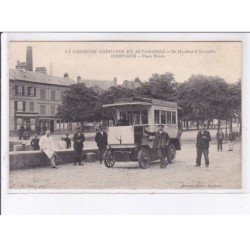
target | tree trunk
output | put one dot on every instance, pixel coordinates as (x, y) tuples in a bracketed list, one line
[(231, 125), (187, 125), (226, 134), (208, 123), (198, 125), (219, 121)]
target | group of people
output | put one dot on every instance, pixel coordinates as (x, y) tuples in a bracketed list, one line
[(46, 145), (231, 139), (203, 139), (24, 132), (160, 144)]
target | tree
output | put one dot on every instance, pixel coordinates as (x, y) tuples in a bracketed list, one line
[(160, 86), (78, 104), (234, 102), (203, 98)]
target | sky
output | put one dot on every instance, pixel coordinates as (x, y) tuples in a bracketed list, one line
[(127, 60)]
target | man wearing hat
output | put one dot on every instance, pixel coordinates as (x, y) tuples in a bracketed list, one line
[(78, 140), (202, 145), (101, 141), (160, 143)]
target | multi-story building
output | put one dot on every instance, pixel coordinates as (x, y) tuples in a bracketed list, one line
[(34, 98)]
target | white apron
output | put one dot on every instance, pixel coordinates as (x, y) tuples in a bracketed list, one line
[(47, 145)]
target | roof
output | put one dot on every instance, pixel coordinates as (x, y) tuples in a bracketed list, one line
[(103, 84), (142, 101), (38, 77), (126, 104)]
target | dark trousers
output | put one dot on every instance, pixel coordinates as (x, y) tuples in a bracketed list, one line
[(101, 152), (78, 155), (205, 152), (219, 145), (161, 155)]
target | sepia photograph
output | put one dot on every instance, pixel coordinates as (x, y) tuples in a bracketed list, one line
[(125, 115)]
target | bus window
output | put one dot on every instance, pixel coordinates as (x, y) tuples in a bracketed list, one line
[(157, 116), (136, 117), (168, 117), (173, 117), (144, 117), (163, 117)]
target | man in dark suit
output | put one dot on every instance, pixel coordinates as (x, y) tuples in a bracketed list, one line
[(68, 141), (78, 140), (35, 143), (202, 145), (160, 144), (101, 141)]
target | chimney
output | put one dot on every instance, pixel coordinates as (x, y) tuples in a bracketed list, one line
[(41, 70), (66, 75), (78, 79), (21, 65), (29, 59), (115, 80)]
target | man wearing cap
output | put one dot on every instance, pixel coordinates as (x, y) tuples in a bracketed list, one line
[(78, 140), (101, 141), (46, 144), (160, 144), (202, 145)]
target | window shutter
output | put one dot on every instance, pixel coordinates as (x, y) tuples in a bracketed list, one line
[(24, 108), (15, 89), (15, 105), (34, 91), (28, 90), (23, 90)]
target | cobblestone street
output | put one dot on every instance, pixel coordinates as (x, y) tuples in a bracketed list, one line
[(224, 173)]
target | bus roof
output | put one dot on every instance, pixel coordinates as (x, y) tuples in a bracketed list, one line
[(142, 101)]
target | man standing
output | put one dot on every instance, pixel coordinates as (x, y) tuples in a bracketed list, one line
[(35, 143), (220, 138), (101, 141), (231, 139), (47, 146), (202, 145), (78, 139), (68, 141), (20, 132), (160, 144)]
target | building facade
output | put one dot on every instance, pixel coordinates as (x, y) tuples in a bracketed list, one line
[(34, 98)]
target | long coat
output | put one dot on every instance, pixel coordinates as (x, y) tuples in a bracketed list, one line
[(101, 139), (160, 140), (78, 141), (203, 142)]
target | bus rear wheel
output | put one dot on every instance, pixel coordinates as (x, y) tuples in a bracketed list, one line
[(171, 153)]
